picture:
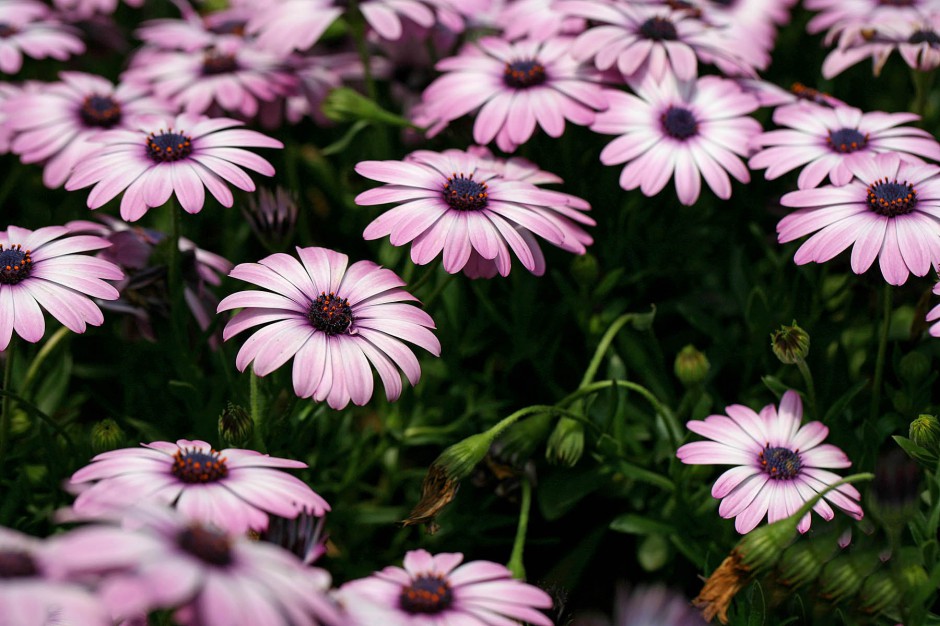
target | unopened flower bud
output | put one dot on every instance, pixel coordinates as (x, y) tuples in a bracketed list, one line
[(802, 562), (691, 366), (106, 435), (566, 444), (348, 105), (272, 216), (585, 269), (879, 592), (235, 426), (914, 367), (790, 344), (840, 579), (925, 432)]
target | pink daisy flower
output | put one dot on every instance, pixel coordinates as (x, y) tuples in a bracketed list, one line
[(232, 489), (186, 155), (934, 314), (829, 141), (41, 268), (335, 321), (231, 76), (35, 592), (780, 465), (27, 27), (891, 210), (438, 589), (919, 42), (194, 31), (161, 560), (640, 38), (288, 25), (456, 203), (694, 129), (59, 124), (515, 86)]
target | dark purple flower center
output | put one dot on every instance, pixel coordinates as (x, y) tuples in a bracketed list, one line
[(103, 111), (780, 463), (167, 146), (846, 140), (214, 62), (199, 466), (330, 314), (427, 594), (7, 30), (924, 36), (523, 74), (465, 194), (17, 564), (659, 29), (14, 264), (206, 544), (229, 27), (891, 198), (679, 123), (897, 3)]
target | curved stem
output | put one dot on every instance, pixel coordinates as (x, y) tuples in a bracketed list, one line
[(41, 356), (7, 407), (675, 431), (257, 412), (882, 351), (602, 347), (810, 387), (515, 564)]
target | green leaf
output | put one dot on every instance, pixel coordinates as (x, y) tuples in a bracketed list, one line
[(915, 451), (343, 142), (838, 407), (653, 552), (776, 385), (639, 525)]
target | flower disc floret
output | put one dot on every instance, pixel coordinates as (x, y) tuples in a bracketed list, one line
[(215, 62), (168, 146), (15, 264), (429, 595), (927, 36), (679, 123), (465, 194), (330, 314), (524, 74), (891, 198), (659, 29), (208, 544), (194, 465), (779, 462), (16, 563), (100, 110), (846, 140)]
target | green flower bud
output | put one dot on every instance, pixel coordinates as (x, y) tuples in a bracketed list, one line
[(235, 426), (522, 438), (691, 366), (802, 562), (879, 592), (840, 579), (790, 344), (914, 367), (585, 269), (566, 444), (348, 105), (925, 432), (106, 435)]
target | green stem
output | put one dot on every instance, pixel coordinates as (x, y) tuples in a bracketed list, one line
[(35, 411), (602, 347), (7, 408), (810, 386), (923, 82), (497, 429), (358, 27), (438, 290), (257, 412), (882, 351), (41, 356), (515, 564), (423, 279)]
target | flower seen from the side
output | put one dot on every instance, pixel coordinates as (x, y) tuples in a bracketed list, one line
[(58, 125), (689, 130), (184, 155), (337, 321), (779, 464), (208, 574), (934, 314), (45, 268), (28, 27), (890, 210), (440, 589), (456, 203), (232, 489), (514, 87), (828, 141)]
